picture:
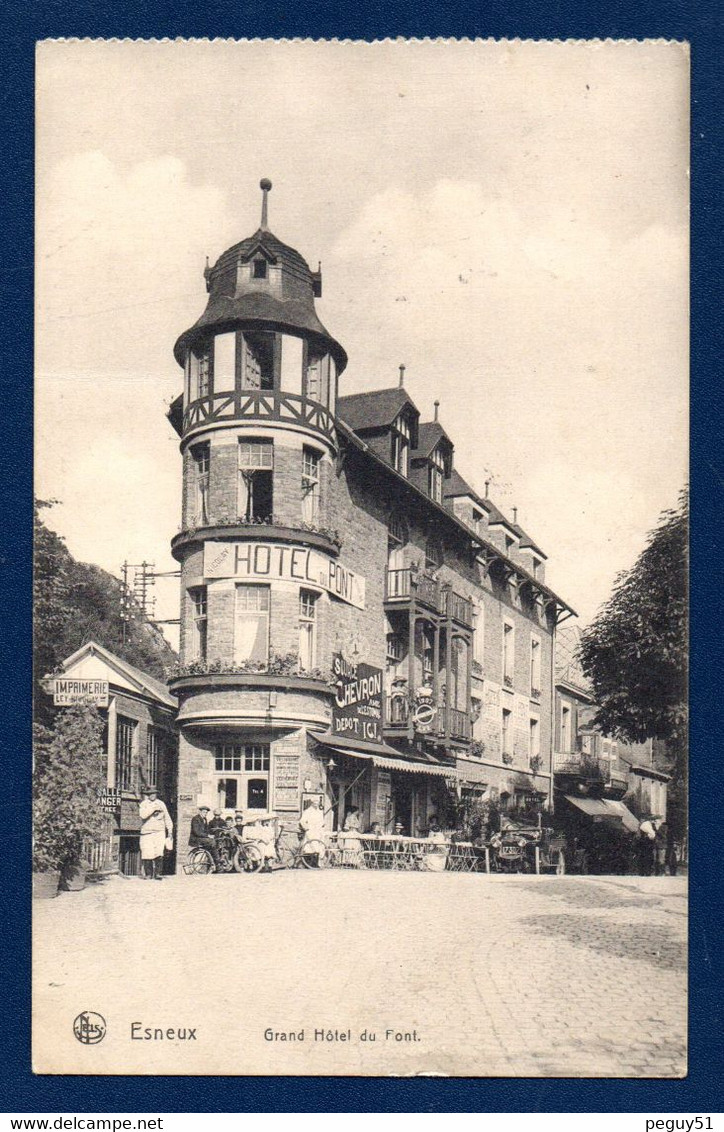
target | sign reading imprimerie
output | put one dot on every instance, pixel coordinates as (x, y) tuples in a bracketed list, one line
[(71, 690), (274, 561)]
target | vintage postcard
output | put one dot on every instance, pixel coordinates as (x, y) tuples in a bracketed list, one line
[(360, 558)]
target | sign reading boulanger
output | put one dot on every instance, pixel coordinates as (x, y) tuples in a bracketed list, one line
[(357, 709), (70, 690), (272, 561)]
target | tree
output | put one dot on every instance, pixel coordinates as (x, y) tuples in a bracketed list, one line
[(75, 602), (68, 771), (635, 652)]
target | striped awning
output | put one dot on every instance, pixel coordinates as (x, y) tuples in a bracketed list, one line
[(382, 756)]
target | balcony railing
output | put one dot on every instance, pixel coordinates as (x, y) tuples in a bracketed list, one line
[(398, 715), (398, 711), (404, 584), (588, 766), (258, 404), (459, 723)]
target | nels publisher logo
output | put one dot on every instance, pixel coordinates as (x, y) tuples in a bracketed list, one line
[(89, 1028)]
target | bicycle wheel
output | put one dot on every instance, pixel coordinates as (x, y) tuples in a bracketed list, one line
[(248, 858), (313, 855), (199, 862)]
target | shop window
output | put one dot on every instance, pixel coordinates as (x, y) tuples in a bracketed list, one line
[(125, 753), (507, 732), (251, 630), (256, 480), (401, 445), (535, 666), (249, 765), (153, 752), (199, 622), (307, 630), (258, 362), (311, 461), (435, 475), (508, 654), (200, 456)]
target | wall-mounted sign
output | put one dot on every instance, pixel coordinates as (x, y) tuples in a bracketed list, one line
[(286, 782), (273, 561), (70, 690), (357, 708), (110, 799)]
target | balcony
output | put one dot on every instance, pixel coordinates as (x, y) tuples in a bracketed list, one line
[(406, 585), (398, 717), (258, 405), (609, 772), (459, 723)]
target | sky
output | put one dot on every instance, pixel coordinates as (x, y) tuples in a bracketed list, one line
[(509, 220)]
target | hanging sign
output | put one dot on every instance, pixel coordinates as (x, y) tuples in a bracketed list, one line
[(357, 708), (70, 690), (424, 712), (274, 561)]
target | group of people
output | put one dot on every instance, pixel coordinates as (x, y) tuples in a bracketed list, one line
[(240, 829)]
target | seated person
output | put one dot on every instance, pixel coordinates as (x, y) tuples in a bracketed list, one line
[(217, 822), (375, 829), (436, 860), (349, 842), (399, 829), (199, 835)]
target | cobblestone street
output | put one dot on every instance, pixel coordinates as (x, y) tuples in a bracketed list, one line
[(479, 975)]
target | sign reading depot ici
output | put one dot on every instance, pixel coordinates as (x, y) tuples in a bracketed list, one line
[(357, 710), (273, 561)]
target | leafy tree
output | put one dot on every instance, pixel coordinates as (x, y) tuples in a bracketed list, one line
[(635, 652), (75, 602), (68, 771)]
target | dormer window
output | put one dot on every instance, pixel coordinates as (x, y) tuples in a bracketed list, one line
[(435, 475), (509, 544), (401, 445), (259, 269)]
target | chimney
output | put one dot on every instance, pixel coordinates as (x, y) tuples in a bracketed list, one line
[(515, 515), (487, 488), (265, 186), (402, 375), (437, 406)]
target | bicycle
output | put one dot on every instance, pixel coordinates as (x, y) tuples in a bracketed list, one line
[(249, 857), (312, 854), (200, 861)]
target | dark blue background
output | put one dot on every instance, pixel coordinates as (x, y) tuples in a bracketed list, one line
[(23, 23)]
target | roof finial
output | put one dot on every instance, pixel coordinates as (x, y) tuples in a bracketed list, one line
[(437, 406), (515, 515), (265, 186), (487, 488), (402, 375)]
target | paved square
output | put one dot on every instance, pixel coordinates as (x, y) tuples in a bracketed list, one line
[(479, 975)]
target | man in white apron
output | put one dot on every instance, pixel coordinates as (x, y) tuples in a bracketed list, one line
[(156, 830)]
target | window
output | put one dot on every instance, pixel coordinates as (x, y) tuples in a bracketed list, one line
[(258, 362), (433, 554), (477, 518), (200, 497), (125, 750), (479, 633), (509, 544), (508, 654), (307, 629), (428, 654), (435, 475), (256, 480), (199, 622), (535, 681), (507, 737), (250, 763), (153, 750), (259, 269), (200, 372), (251, 635), (401, 445), (565, 728), (310, 485), (536, 567), (319, 375), (397, 576), (534, 739), (395, 649)]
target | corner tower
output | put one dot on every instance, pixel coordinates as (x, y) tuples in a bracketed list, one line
[(257, 553)]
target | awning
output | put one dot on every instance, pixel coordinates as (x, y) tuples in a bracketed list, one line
[(604, 808), (380, 755)]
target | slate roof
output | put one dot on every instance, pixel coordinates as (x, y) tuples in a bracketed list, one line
[(428, 435), (377, 409), (155, 687)]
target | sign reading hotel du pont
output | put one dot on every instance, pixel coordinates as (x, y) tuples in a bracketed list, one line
[(71, 690), (274, 561), (357, 709)]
